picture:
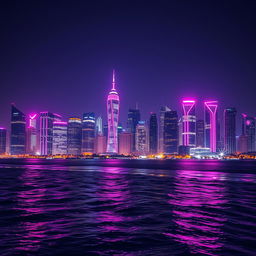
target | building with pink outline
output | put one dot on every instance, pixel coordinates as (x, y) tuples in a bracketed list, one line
[(210, 114), (189, 123), (112, 117)]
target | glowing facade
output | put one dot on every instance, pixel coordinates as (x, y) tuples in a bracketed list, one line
[(142, 138), (112, 116), (211, 108), (88, 132), (74, 136), (32, 135), (59, 144), (189, 123)]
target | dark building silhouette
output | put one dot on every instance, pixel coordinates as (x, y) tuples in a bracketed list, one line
[(88, 133), (18, 132), (153, 133), (171, 132), (230, 130), (74, 143), (133, 120), (200, 133), (2, 140)]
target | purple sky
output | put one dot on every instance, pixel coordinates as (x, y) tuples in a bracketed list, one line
[(59, 57)]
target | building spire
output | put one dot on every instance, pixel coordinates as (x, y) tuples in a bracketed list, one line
[(113, 80)]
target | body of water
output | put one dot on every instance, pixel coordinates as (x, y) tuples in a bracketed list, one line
[(65, 209)]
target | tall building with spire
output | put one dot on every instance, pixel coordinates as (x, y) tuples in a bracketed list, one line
[(113, 116)]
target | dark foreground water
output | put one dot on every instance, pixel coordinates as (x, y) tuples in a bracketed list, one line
[(90, 210)]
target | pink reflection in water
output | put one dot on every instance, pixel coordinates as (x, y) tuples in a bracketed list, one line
[(195, 199)]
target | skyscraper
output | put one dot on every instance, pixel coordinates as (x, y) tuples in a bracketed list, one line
[(230, 130), (210, 111), (133, 119), (171, 132), (32, 135), (2, 140), (88, 133), (18, 132), (100, 144), (189, 123), (99, 126), (249, 129), (59, 145), (200, 133), (46, 131), (153, 134), (125, 143), (161, 129), (74, 136), (142, 138), (113, 117)]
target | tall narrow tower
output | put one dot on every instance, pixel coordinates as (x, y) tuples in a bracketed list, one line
[(112, 115), (211, 108)]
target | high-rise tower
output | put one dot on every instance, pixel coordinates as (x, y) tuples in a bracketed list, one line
[(112, 116), (189, 123), (153, 133), (210, 112), (230, 130)]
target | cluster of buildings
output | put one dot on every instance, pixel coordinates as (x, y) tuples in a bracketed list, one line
[(46, 133)]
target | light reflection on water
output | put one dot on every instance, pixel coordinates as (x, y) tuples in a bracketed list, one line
[(125, 211)]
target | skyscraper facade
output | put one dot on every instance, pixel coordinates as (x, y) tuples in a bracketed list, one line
[(99, 126), (32, 135), (46, 131), (100, 144), (249, 129), (88, 133), (200, 133), (142, 138), (59, 145), (133, 120), (210, 112), (161, 129), (230, 130), (18, 132), (74, 136), (153, 134), (113, 117), (189, 123), (171, 132), (125, 143), (2, 140)]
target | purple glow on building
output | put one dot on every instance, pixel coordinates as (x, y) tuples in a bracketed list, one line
[(112, 116), (212, 107), (32, 120), (188, 107)]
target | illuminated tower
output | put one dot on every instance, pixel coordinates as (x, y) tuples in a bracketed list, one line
[(153, 133), (112, 116), (249, 130), (88, 132), (189, 123), (230, 130), (2, 140), (210, 111), (32, 135), (74, 139), (59, 141)]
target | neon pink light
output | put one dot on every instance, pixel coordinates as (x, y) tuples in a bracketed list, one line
[(113, 80), (60, 122), (32, 116), (212, 107), (187, 106), (2, 128)]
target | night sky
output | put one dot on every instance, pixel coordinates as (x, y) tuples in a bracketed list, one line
[(59, 55)]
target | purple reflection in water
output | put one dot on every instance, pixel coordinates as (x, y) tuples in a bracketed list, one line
[(195, 200)]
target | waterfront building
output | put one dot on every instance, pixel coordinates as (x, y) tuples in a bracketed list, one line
[(18, 132), (133, 119), (32, 135), (242, 143), (189, 123), (105, 130), (125, 143), (99, 126), (171, 132), (2, 140), (88, 133), (200, 133), (59, 145), (46, 120), (210, 114), (142, 138), (113, 116), (200, 151), (180, 129), (153, 133), (230, 130), (249, 129), (74, 136), (161, 128), (100, 144)]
